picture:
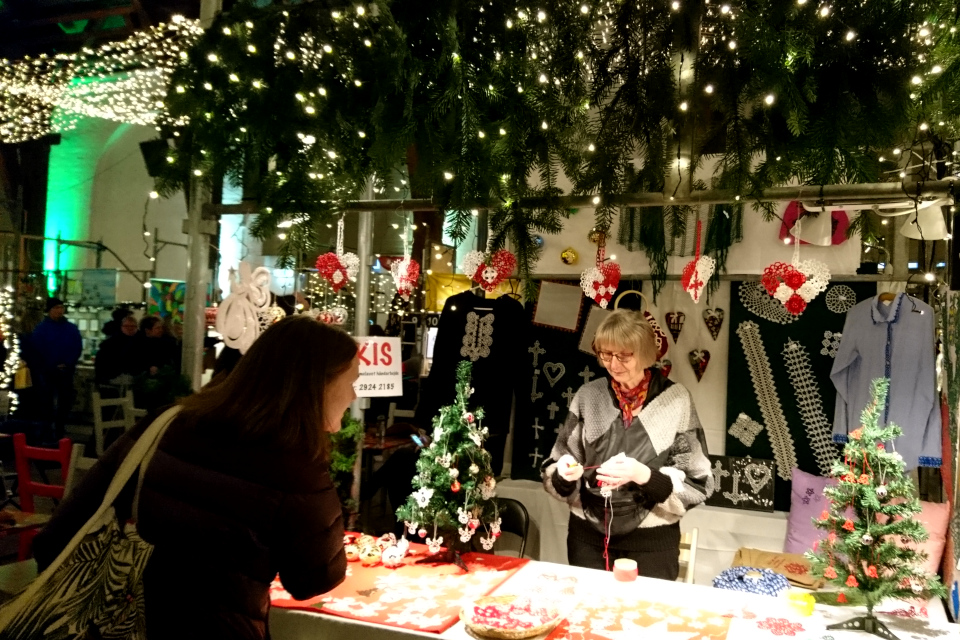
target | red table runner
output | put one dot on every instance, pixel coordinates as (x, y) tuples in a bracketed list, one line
[(425, 597)]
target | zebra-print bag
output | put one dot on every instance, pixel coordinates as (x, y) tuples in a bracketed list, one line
[(94, 588)]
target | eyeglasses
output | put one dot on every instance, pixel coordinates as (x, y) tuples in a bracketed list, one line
[(606, 356)]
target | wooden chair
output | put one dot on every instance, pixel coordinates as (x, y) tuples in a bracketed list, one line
[(79, 465), (29, 489), (688, 556), (121, 417), (395, 413)]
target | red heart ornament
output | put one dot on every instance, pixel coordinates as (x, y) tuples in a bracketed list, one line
[(489, 276), (332, 270), (406, 274), (601, 282)]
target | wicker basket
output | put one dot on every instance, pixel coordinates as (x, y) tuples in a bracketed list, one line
[(505, 634)]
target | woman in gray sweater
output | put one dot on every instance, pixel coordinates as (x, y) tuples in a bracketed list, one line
[(631, 457)]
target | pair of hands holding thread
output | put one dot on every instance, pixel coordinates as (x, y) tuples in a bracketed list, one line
[(615, 472)]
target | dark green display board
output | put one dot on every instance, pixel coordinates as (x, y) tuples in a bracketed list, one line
[(560, 371), (808, 330)]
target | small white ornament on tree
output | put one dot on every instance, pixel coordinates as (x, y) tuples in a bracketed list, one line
[(466, 533), (422, 496), (474, 469), (495, 526), (489, 488), (462, 515), (445, 460), (434, 544), (454, 473), (411, 526), (487, 543)]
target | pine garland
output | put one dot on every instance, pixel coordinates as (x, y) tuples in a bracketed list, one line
[(494, 99)]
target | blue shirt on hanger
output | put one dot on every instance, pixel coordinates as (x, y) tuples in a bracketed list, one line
[(894, 341)]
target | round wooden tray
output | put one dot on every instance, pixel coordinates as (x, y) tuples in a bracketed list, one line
[(504, 634)]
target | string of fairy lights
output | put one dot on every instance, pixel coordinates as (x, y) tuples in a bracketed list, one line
[(123, 81), (11, 342)]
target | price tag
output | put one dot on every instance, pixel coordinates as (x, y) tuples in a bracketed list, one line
[(381, 372)]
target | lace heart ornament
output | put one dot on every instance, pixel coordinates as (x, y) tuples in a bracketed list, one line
[(338, 270), (406, 275), (795, 285), (489, 274), (600, 283), (696, 274)]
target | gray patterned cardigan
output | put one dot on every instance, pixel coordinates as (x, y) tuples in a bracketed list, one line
[(666, 436)]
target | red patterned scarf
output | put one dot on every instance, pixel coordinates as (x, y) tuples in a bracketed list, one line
[(631, 400)]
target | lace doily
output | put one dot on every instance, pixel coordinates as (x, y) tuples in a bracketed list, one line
[(745, 429), (478, 337), (831, 343), (819, 429), (841, 298), (795, 285), (269, 316), (763, 385), (755, 299)]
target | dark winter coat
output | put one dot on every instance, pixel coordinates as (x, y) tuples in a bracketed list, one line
[(119, 354), (224, 518), (56, 342)]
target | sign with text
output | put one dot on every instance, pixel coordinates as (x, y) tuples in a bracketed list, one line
[(381, 372)]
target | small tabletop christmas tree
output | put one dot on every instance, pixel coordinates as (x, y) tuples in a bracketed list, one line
[(454, 485), (870, 522)]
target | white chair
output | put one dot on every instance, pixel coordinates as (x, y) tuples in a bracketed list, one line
[(79, 465), (121, 416), (398, 413), (688, 556)]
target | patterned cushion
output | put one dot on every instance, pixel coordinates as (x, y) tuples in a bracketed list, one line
[(806, 502)]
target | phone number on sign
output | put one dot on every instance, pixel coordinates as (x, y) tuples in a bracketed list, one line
[(372, 386)]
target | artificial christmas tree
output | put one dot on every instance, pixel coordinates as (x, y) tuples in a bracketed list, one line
[(870, 522), (454, 485)]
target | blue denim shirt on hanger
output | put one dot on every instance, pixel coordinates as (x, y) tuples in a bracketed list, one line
[(895, 341)]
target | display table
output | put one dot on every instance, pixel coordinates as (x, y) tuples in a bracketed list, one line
[(721, 531), (597, 607)]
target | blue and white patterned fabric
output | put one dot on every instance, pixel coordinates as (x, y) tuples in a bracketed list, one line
[(768, 583)]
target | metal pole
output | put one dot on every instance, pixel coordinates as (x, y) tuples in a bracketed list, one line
[(836, 194), (198, 276)]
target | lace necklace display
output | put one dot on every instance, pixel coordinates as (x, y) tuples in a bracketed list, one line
[(763, 385), (478, 337), (819, 428)]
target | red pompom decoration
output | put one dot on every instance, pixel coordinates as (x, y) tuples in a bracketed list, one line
[(848, 525), (795, 304), (881, 446), (864, 479), (872, 571), (455, 486), (496, 534), (832, 537), (841, 598), (816, 544), (852, 581), (824, 515), (829, 573), (794, 279), (856, 434)]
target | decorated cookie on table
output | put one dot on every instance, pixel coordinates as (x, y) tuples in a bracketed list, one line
[(509, 617)]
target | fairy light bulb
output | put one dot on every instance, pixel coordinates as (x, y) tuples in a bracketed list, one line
[(769, 99)]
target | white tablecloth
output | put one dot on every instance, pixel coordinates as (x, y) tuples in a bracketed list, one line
[(721, 531), (540, 578)]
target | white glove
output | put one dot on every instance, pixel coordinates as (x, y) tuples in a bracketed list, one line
[(568, 468), (620, 470)]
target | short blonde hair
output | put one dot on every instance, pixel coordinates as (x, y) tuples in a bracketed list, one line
[(627, 330)]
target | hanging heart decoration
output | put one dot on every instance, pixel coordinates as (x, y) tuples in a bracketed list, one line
[(406, 275), (489, 274), (795, 285), (659, 335), (699, 359), (600, 282), (665, 367), (714, 320), (675, 320), (698, 271), (337, 268)]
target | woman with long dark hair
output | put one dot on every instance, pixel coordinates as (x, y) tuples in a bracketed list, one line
[(238, 489)]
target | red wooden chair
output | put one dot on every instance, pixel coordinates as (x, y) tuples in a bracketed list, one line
[(28, 488)]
